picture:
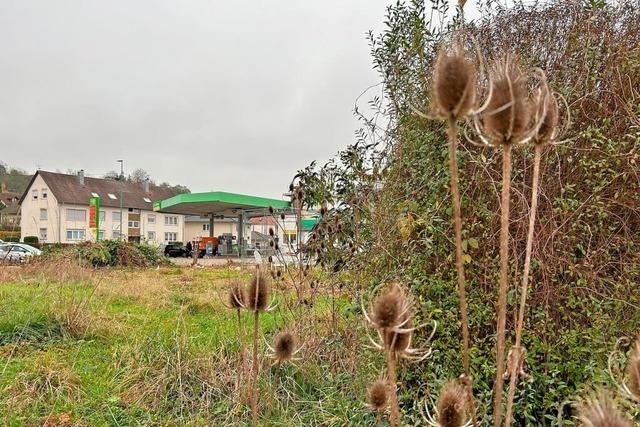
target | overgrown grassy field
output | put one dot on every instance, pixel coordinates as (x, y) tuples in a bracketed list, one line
[(157, 347)]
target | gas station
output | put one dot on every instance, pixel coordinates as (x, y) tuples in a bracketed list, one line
[(220, 204)]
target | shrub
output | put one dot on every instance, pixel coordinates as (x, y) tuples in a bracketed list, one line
[(31, 240)]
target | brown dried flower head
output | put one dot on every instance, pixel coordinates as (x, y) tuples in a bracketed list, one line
[(601, 412), (237, 298), (507, 114), (633, 370), (378, 396), (284, 347), (452, 405), (400, 341), (258, 292), (454, 84), (388, 308), (547, 113)]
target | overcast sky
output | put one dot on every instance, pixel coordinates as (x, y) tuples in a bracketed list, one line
[(231, 96)]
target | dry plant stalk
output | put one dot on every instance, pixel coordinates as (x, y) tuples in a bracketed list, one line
[(546, 109), (503, 121), (258, 300), (454, 89)]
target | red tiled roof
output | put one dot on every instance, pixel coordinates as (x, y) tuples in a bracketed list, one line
[(263, 220), (67, 189)]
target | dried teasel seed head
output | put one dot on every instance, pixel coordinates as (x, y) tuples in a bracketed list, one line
[(452, 405), (323, 210), (388, 308), (258, 292), (291, 187), (547, 105), (633, 369), (277, 247), (237, 298), (270, 259), (507, 116), (378, 396), (279, 273), (271, 243), (282, 216), (454, 84), (284, 347), (601, 412), (271, 232), (271, 210), (399, 341)]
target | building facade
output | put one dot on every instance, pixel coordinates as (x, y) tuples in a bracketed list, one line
[(55, 208)]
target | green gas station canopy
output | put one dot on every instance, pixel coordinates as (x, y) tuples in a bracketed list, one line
[(217, 203)]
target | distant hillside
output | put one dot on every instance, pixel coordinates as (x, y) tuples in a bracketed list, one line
[(15, 181)]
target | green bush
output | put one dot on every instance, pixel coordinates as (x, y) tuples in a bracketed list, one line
[(31, 240)]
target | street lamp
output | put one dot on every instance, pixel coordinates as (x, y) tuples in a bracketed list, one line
[(121, 206)]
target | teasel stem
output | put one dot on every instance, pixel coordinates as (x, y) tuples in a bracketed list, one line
[(457, 226), (525, 279), (394, 416), (503, 285), (254, 380)]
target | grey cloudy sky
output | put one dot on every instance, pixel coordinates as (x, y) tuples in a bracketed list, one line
[(232, 96)]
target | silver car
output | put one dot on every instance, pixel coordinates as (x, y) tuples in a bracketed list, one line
[(17, 252)]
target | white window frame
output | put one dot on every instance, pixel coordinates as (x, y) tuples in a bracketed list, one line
[(44, 217), (115, 217), (206, 227), (42, 236), (170, 220), (77, 234), (103, 216), (151, 219), (71, 218), (151, 236), (133, 224), (169, 234), (34, 194), (44, 192)]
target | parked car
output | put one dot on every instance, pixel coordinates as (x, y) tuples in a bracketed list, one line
[(17, 252), (175, 251)]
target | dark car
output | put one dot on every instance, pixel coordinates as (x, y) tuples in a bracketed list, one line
[(175, 251)]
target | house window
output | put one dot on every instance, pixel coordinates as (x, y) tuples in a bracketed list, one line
[(34, 194), (151, 236), (170, 220), (206, 227), (76, 215), (43, 234), (290, 237), (115, 217), (151, 219), (101, 235), (43, 215), (44, 193), (103, 216), (75, 234), (116, 234), (134, 224), (170, 237), (134, 210)]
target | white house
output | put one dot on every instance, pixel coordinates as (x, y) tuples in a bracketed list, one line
[(55, 207)]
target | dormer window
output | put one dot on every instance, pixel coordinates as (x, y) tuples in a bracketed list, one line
[(146, 199), (44, 193), (112, 196), (94, 194), (34, 194)]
